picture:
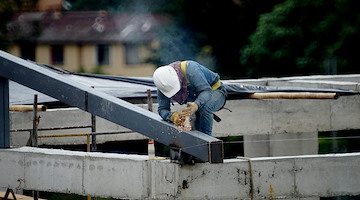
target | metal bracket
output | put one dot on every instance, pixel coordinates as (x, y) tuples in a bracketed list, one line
[(179, 157)]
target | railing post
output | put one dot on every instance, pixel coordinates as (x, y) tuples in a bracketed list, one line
[(4, 114), (93, 131), (34, 133), (151, 142)]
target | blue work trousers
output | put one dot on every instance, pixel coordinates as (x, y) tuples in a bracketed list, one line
[(205, 116)]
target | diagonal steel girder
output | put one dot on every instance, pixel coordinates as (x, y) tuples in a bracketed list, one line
[(195, 143)]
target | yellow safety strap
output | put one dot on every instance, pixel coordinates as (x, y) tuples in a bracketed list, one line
[(216, 85), (183, 66)]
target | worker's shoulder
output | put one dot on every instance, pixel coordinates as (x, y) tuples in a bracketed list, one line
[(193, 65), (191, 62)]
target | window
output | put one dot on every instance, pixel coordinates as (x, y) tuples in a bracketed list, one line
[(27, 51), (132, 53), (57, 54), (103, 54)]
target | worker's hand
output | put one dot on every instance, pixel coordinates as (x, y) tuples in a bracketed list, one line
[(192, 107), (175, 118)]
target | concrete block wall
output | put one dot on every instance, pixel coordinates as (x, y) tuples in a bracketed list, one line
[(136, 177), (248, 117), (281, 144), (275, 116)]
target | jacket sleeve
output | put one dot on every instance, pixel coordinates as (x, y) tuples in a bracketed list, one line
[(198, 81), (164, 106)]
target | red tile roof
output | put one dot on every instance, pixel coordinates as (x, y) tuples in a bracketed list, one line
[(88, 26)]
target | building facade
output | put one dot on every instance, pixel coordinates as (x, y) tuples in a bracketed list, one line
[(87, 41)]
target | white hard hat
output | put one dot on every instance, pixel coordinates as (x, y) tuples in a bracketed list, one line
[(167, 80)]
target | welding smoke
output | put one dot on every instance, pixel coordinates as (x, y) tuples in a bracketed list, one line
[(175, 44)]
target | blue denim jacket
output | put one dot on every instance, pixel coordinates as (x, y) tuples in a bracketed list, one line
[(199, 88)]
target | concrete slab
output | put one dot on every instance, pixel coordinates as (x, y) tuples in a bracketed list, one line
[(206, 181), (247, 117), (293, 144), (65, 172), (109, 176), (345, 113), (281, 145), (334, 172), (295, 115), (274, 179), (162, 180), (12, 166), (136, 177)]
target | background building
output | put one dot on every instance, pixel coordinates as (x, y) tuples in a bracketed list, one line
[(86, 41)]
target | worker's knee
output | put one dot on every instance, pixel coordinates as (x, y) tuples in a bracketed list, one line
[(215, 103)]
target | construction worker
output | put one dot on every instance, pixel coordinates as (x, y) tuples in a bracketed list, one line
[(191, 83)]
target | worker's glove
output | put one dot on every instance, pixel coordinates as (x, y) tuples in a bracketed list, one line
[(192, 107), (175, 118)]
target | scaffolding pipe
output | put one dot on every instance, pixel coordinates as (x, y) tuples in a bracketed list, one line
[(93, 130), (88, 142), (88, 149), (51, 129), (34, 132), (151, 142), (83, 134), (149, 100)]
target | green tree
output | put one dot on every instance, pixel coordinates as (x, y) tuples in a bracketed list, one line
[(298, 35)]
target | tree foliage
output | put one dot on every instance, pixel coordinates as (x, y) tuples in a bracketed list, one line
[(223, 27), (298, 35)]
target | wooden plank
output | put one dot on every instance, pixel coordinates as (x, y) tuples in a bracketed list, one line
[(18, 196), (25, 108)]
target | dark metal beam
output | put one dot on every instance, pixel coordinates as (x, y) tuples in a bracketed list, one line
[(197, 144), (4, 114)]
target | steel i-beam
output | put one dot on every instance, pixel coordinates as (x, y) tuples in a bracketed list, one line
[(4, 115), (197, 144)]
